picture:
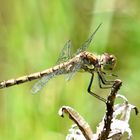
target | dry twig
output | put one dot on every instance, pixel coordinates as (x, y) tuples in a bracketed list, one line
[(111, 127)]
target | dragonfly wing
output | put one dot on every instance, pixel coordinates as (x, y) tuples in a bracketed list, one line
[(73, 72), (64, 56), (41, 83), (65, 53), (87, 43)]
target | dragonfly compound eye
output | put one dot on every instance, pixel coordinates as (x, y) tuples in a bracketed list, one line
[(108, 61)]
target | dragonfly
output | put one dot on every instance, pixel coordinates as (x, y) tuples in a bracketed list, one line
[(68, 64)]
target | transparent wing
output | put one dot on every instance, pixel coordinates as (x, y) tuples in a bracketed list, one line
[(76, 68), (65, 53), (87, 43), (41, 83), (64, 56)]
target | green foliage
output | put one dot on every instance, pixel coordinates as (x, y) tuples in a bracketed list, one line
[(32, 34)]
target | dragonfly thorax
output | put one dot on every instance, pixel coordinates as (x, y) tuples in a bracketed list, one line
[(90, 61), (107, 61)]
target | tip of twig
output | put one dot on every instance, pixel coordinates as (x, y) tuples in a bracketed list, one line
[(117, 83)]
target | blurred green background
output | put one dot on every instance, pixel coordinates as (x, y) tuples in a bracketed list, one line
[(33, 32)]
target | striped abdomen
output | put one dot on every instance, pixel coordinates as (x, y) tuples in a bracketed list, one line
[(30, 77)]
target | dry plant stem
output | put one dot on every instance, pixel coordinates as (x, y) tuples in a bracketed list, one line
[(109, 107), (79, 120)]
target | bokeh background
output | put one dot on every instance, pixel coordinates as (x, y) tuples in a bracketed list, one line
[(32, 34)]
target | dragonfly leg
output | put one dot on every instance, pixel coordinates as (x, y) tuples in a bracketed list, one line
[(111, 74), (100, 84), (93, 94), (103, 80)]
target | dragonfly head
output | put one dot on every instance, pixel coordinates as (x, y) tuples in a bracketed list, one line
[(107, 61)]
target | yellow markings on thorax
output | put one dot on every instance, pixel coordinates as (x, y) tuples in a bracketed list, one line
[(92, 57)]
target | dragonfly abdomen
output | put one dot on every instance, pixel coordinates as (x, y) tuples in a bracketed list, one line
[(12, 82), (30, 77), (20, 80)]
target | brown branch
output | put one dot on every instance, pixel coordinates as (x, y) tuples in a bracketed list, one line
[(109, 107)]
